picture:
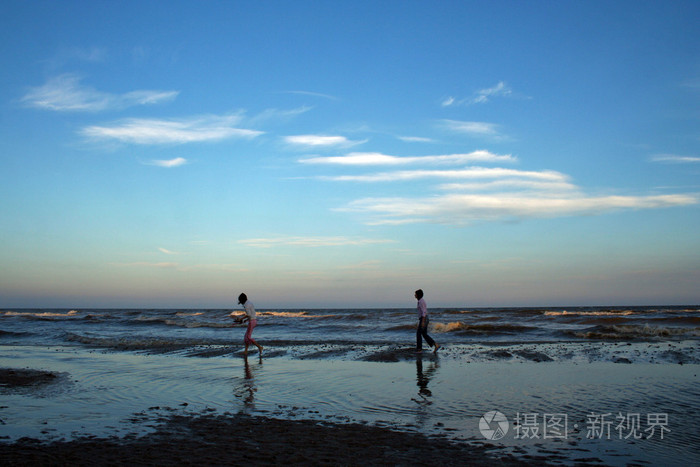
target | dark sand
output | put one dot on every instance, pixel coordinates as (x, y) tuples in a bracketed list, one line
[(205, 439), (239, 439), (425, 408), (13, 378)]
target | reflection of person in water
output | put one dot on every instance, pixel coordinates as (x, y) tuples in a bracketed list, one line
[(246, 390), (423, 378), (424, 415)]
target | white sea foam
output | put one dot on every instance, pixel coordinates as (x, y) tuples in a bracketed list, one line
[(478, 328), (294, 314), (589, 313), (196, 324), (633, 331), (44, 314)]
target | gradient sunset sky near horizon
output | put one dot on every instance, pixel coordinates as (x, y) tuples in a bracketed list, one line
[(344, 154)]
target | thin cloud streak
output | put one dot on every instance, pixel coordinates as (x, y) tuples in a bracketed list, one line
[(540, 186), (462, 209), (81, 54), (472, 128), (310, 242), (468, 173), (183, 268), (374, 158), (145, 264), (153, 131), (415, 139), (501, 90), (176, 162), (313, 94), (482, 96), (65, 93), (675, 159), (320, 140), (277, 115)]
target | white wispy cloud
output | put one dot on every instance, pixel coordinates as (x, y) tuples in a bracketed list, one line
[(415, 139), (176, 162), (175, 131), (499, 90), (313, 94), (269, 115), (167, 252), (146, 264), (311, 242), (481, 96), (375, 158), (512, 184), (80, 54), (673, 158), (182, 267), (467, 173), (693, 84), (66, 93), (472, 128), (462, 209), (372, 264), (483, 193), (320, 140)]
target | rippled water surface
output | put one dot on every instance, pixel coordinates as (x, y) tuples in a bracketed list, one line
[(99, 393), (119, 370)]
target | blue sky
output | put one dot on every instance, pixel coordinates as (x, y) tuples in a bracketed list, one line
[(333, 154)]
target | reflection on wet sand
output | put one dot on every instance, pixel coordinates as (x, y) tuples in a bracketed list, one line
[(246, 388), (423, 377)]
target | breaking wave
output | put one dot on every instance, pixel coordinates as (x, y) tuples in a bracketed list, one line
[(589, 313), (43, 314), (464, 328), (293, 314), (184, 323), (141, 343), (632, 331)]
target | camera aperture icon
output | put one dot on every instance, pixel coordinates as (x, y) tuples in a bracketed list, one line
[(493, 425)]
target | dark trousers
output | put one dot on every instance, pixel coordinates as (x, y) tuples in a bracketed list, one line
[(422, 332)]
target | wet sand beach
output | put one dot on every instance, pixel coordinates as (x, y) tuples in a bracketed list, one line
[(237, 439), (349, 404)]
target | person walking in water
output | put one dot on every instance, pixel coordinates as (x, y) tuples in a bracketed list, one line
[(422, 330), (251, 317)]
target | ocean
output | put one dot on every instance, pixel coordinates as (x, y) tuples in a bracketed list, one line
[(182, 330), (622, 379)]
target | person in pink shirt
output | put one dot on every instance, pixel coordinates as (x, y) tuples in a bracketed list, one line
[(422, 330), (251, 317)]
